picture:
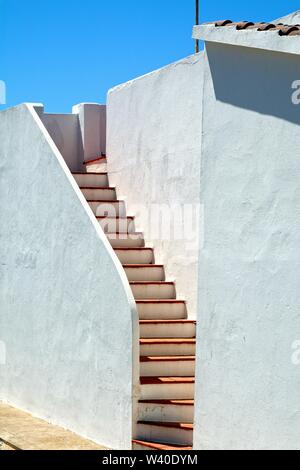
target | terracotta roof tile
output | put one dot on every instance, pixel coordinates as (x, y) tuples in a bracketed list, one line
[(283, 29), (223, 23), (244, 25), (266, 27), (287, 30)]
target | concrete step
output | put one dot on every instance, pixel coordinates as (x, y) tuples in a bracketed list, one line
[(158, 309), (146, 272), (126, 240), (100, 194), (117, 224), (108, 208), (153, 290), (174, 433), (167, 366), (167, 328), (167, 388), (156, 446), (97, 165), (135, 255), (168, 347), (166, 410), (91, 180)]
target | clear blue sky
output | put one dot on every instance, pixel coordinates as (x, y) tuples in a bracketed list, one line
[(62, 52)]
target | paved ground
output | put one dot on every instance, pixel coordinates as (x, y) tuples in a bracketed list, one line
[(19, 430)]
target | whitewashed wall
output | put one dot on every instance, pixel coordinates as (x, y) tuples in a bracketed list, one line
[(80, 136), (153, 148), (92, 122), (64, 129), (247, 389), (67, 316)]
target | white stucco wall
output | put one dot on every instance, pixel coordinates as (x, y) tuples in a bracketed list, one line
[(64, 129), (68, 320), (247, 389), (153, 148), (92, 122), (80, 136), (291, 18)]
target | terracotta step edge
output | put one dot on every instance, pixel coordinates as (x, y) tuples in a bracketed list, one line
[(172, 322), (167, 340), (166, 380), (161, 446), (162, 424), (167, 358), (103, 159), (169, 402), (102, 173), (160, 301), (142, 266)]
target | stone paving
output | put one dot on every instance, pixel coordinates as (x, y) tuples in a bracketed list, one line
[(19, 430)]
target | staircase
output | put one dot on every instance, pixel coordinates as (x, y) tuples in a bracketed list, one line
[(167, 342)]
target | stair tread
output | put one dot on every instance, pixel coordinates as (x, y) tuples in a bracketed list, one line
[(88, 174), (165, 424), (142, 266), (160, 301), (169, 402), (171, 322), (111, 188), (128, 235), (96, 160), (125, 236), (167, 340), (155, 283), (112, 218), (166, 380), (134, 249), (161, 446), (106, 201), (166, 358)]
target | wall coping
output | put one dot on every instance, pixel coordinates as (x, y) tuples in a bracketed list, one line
[(266, 40)]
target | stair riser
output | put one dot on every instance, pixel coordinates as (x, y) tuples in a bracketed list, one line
[(100, 194), (159, 311), (168, 350), (118, 225), (167, 413), (164, 434), (135, 257), (109, 209), (139, 447), (168, 330), (89, 180), (168, 369), (96, 168), (154, 291), (145, 274), (126, 241), (167, 392)]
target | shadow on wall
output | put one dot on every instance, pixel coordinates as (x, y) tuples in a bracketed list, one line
[(256, 80)]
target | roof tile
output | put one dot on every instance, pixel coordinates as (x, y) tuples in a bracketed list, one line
[(283, 29), (223, 23), (244, 25)]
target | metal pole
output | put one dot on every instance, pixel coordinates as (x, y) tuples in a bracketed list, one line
[(197, 23)]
